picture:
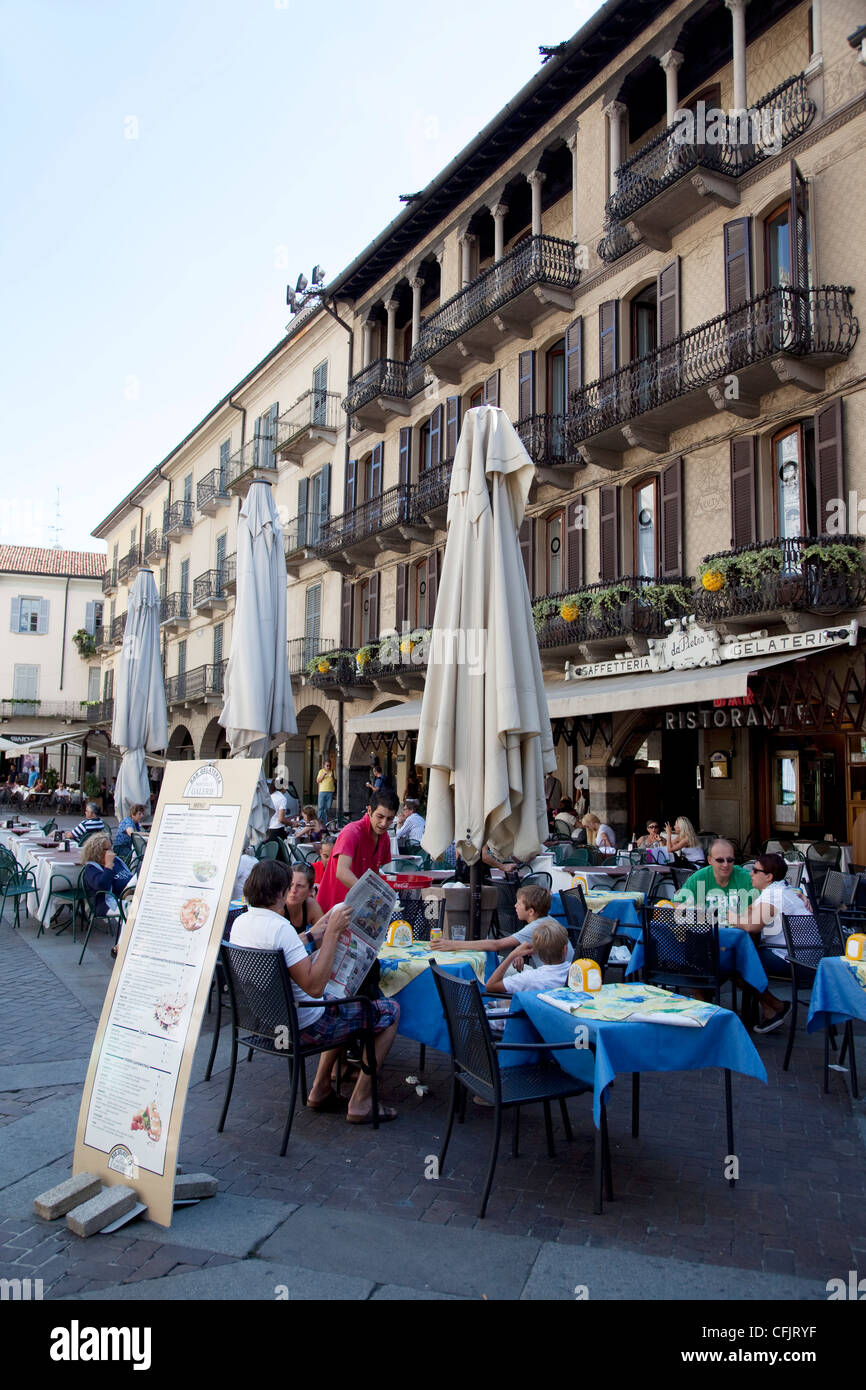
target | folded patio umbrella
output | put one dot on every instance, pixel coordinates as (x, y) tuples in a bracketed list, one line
[(140, 724), (484, 731), (258, 709)]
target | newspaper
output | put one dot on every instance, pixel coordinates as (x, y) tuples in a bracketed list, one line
[(371, 904)]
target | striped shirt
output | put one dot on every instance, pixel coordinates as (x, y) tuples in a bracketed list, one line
[(88, 827)]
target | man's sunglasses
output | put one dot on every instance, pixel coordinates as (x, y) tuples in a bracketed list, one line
[(724, 861)]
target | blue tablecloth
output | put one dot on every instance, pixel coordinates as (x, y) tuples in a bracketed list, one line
[(629, 1047), (837, 995), (623, 910), (737, 954), (421, 1015)]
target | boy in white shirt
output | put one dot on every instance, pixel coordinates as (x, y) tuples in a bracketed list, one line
[(550, 946), (531, 908)]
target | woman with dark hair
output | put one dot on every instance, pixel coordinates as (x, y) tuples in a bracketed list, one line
[(774, 898), (302, 909)]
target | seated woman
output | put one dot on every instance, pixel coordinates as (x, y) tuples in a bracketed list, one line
[(775, 899), (564, 818), (105, 875), (129, 826), (310, 828), (682, 839), (599, 834), (302, 910)]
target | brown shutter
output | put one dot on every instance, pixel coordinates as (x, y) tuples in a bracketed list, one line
[(346, 615), (574, 534), (573, 360), (526, 538), (744, 492), (405, 455), (491, 389), (526, 384), (798, 229), (436, 436), (668, 295), (671, 489), (373, 599), (432, 585), (829, 459), (400, 607), (376, 471), (608, 529), (608, 347), (452, 425), (738, 263), (350, 485)]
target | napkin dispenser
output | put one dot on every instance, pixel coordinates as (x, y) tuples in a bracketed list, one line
[(584, 975), (399, 934), (855, 947)]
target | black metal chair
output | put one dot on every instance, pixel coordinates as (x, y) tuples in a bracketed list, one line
[(596, 938), (265, 1019), (809, 937), (837, 890), (15, 883), (574, 906), (507, 921), (542, 878), (66, 888), (475, 1070), (794, 874), (819, 862), (681, 950)]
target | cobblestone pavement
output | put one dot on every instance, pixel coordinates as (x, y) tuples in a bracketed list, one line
[(796, 1213)]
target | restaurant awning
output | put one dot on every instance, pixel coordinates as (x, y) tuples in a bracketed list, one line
[(605, 694), (35, 741)]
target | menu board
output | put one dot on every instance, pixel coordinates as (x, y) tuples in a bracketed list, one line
[(135, 1092)]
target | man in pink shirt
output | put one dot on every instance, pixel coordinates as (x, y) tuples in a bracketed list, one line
[(361, 845)]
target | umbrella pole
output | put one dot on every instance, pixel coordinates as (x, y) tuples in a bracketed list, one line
[(475, 900)]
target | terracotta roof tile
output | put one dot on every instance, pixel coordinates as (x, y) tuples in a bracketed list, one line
[(31, 559)]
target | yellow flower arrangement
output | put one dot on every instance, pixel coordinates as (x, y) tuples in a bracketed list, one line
[(569, 612), (713, 580)]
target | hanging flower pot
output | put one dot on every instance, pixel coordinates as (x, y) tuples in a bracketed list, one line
[(323, 666), (713, 580), (569, 612), (407, 646)]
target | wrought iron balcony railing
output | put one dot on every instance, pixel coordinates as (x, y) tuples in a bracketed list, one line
[(100, 712), (390, 508), (341, 670), (178, 518), (201, 683), (174, 608), (781, 574), (545, 438), (208, 588), (781, 320), (230, 573), (212, 489), (101, 635), (779, 117), (154, 544), (256, 453), (384, 377), (118, 626), (318, 410), (109, 580), (430, 494), (633, 604), (303, 649), (546, 259), (127, 564)]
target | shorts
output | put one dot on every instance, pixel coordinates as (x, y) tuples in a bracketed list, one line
[(338, 1025)]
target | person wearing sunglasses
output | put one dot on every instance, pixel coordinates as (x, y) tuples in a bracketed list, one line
[(652, 839), (721, 879), (763, 919)]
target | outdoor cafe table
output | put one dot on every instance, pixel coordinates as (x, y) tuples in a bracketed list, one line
[(625, 908), (838, 997), (737, 956), (406, 977), (43, 862), (628, 1047)]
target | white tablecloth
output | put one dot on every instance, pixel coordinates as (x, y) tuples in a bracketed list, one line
[(44, 863)]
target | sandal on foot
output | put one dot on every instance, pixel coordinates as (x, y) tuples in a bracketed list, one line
[(331, 1105), (386, 1113)]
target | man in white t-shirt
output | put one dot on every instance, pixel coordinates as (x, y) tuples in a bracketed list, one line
[(265, 927), (279, 820), (775, 899), (549, 946)]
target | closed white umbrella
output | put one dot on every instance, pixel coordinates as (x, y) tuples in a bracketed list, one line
[(484, 729), (140, 723), (258, 709)]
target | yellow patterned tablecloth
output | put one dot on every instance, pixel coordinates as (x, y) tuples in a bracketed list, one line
[(400, 965)]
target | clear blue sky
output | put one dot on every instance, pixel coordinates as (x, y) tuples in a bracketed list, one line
[(167, 167)]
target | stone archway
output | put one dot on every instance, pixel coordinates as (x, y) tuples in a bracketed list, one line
[(180, 745), (214, 743)]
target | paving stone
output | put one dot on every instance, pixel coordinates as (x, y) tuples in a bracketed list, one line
[(100, 1211), (241, 1279), (228, 1225), (558, 1272), (189, 1185), (57, 1201)]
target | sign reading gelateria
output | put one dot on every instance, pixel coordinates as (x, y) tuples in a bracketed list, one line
[(689, 646)]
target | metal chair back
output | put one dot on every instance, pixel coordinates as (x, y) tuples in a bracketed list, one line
[(542, 878), (506, 916), (681, 948), (261, 997), (472, 1050), (794, 874), (809, 937), (562, 827), (641, 881), (268, 849), (596, 938), (837, 889)]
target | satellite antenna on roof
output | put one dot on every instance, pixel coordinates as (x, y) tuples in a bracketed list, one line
[(56, 531)]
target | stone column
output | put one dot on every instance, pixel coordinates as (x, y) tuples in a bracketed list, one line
[(817, 34), (738, 16), (499, 213), (466, 242), (416, 286), (572, 145), (671, 63), (614, 111), (535, 180), (391, 308)]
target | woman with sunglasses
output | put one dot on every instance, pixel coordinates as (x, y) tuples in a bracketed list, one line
[(774, 898)]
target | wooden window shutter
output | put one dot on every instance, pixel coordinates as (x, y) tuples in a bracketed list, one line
[(15, 620), (436, 436), (608, 525), (671, 507), (575, 514), (829, 461), (798, 229), (491, 389), (608, 346), (738, 263), (303, 500), (324, 495), (225, 450), (573, 360), (376, 471), (346, 614), (526, 384), (350, 486), (405, 455), (432, 585), (744, 492), (373, 597), (400, 607), (42, 620), (668, 296), (452, 425), (526, 538)]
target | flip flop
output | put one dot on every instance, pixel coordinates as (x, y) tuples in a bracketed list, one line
[(386, 1113), (331, 1105)]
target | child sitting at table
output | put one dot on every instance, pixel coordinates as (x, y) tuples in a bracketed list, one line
[(550, 946), (532, 908)]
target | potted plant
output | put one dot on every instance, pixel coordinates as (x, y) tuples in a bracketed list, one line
[(363, 657), (827, 570), (92, 789), (542, 610), (85, 642)]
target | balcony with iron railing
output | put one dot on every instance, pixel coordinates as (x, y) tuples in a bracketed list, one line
[(357, 536), (302, 650), (672, 176), (774, 579), (212, 492), (174, 611), (587, 620), (69, 711), (301, 535), (128, 566), (178, 520), (101, 635), (254, 459), (118, 627), (784, 336), (208, 593), (200, 685), (383, 389), (154, 545), (109, 580), (99, 712), (341, 676), (546, 440), (230, 573), (538, 276), (313, 419), (428, 503)]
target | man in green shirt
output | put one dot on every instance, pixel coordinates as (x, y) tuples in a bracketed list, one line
[(722, 879)]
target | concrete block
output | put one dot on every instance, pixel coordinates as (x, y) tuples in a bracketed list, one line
[(57, 1201), (190, 1185), (100, 1211)]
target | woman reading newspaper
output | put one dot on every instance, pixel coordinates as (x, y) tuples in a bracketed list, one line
[(264, 926)]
